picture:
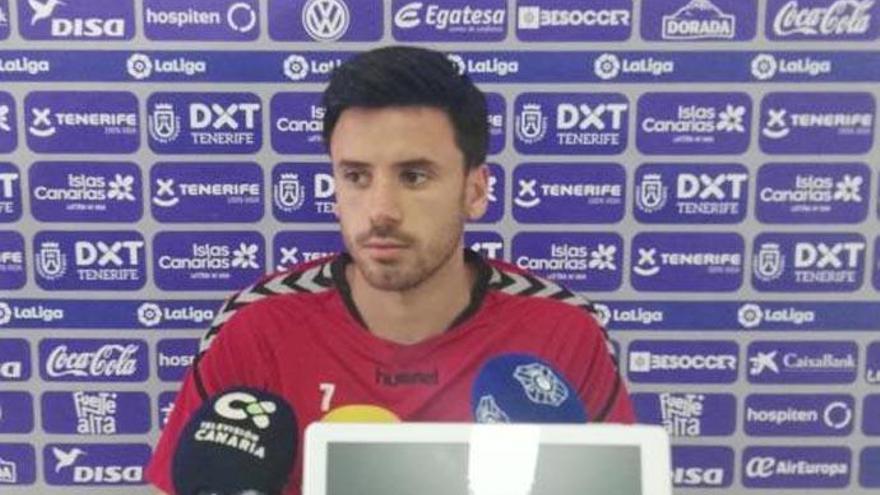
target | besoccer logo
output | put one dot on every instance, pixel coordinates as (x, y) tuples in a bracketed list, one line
[(764, 66), (750, 315), (139, 66), (296, 67), (5, 313), (149, 314), (607, 66)]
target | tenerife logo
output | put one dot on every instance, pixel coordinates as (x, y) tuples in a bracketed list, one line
[(796, 467), (433, 21), (207, 192), (687, 261), (822, 20), (8, 126), (699, 20), (326, 20), (570, 21), (531, 124), (217, 21), (93, 360), (752, 315), (766, 66), (562, 193), (89, 260), (671, 193), (295, 247), (96, 464), (141, 66), (802, 362), (592, 123), (675, 123), (82, 122), (817, 122), (82, 191), (609, 66), (661, 361), (213, 122), (773, 415), (815, 262), (289, 193), (813, 193), (76, 19), (12, 267), (580, 261), (303, 192), (153, 314)]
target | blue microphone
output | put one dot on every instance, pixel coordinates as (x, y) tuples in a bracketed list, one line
[(521, 388), (241, 441)]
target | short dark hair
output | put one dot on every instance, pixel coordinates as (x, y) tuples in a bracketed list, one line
[(410, 76)]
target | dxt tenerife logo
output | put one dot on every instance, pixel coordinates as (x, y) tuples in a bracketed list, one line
[(10, 193), (579, 261), (688, 414), (687, 261), (95, 464), (153, 315), (702, 123), (796, 467), (85, 191), (802, 362), (609, 66), (297, 123), (450, 20), (484, 65), (489, 244), (572, 21), (223, 20), (766, 66), (207, 192), (827, 20), (826, 123), (799, 415), (303, 192), (702, 467), (141, 66), (690, 361), (95, 260), (673, 193), (753, 315), (205, 122), (813, 193), (12, 267), (93, 360), (569, 193), (695, 20), (583, 123), (808, 262), (82, 122), (22, 315), (76, 19), (326, 21), (207, 260), (295, 247), (8, 126)]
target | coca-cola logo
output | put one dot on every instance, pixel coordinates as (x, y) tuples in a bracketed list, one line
[(840, 18), (109, 360)]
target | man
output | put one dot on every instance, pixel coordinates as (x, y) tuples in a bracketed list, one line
[(399, 327)]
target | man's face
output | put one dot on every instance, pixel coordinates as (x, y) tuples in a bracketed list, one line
[(402, 192)]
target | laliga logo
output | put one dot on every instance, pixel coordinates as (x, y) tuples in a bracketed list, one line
[(149, 314), (602, 313), (241, 405), (5, 313), (458, 62), (139, 66), (607, 66), (750, 315), (296, 67), (764, 66), (325, 20)]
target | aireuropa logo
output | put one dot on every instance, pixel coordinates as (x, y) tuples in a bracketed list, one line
[(808, 262), (174, 357), (93, 360), (13, 313), (13, 272), (688, 414), (10, 193), (85, 191), (493, 66), (16, 412), (152, 315), (702, 467), (569, 20), (872, 364), (579, 261), (17, 464), (297, 123), (449, 20), (609, 66), (8, 125), (95, 412), (753, 315), (693, 123), (690, 193), (826, 123), (686, 261), (325, 20), (141, 66), (303, 192), (91, 464), (699, 20), (82, 122), (15, 359), (767, 66), (796, 467), (207, 260), (571, 123), (569, 193), (799, 415), (84, 20), (92, 260), (209, 20), (813, 193), (294, 247), (205, 122), (683, 361), (489, 244), (826, 20), (206, 192), (802, 362)]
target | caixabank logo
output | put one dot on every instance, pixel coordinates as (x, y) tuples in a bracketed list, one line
[(195, 123), (683, 361), (796, 467), (449, 20), (291, 248), (297, 123), (90, 260), (831, 193), (8, 122), (702, 466), (13, 272), (86, 191), (580, 261), (693, 123), (17, 464), (802, 362), (808, 262), (801, 415), (822, 20), (10, 193), (95, 412), (174, 357), (209, 20), (92, 464), (326, 20), (699, 20), (569, 192), (82, 122), (690, 193), (303, 192), (208, 260), (571, 20), (83, 20), (687, 261), (571, 123), (206, 192), (688, 414), (94, 360), (821, 123), (16, 412), (15, 359)]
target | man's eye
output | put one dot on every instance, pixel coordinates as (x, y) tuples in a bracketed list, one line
[(355, 177), (414, 177)]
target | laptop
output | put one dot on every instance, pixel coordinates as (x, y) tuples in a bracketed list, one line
[(486, 459)]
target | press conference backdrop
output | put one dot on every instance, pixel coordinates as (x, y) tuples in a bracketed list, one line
[(706, 170)]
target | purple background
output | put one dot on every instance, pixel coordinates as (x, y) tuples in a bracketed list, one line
[(184, 143), (309, 211), (96, 455), (174, 349), (872, 363), (787, 282), (24, 458), (15, 351), (744, 11), (782, 176), (581, 32), (803, 349), (54, 175), (297, 106), (664, 106), (869, 459), (539, 244), (90, 139), (164, 399), (669, 212), (877, 263), (71, 281), (207, 208), (91, 346), (425, 32), (180, 244), (8, 139), (717, 419), (687, 278), (497, 109), (6, 27), (689, 348), (365, 20), (801, 402), (810, 454), (603, 209), (871, 414), (18, 412), (774, 6), (222, 32), (309, 245), (10, 205), (699, 466), (12, 275), (73, 10), (132, 412)]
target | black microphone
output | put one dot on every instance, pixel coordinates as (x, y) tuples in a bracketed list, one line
[(239, 442), (521, 388)]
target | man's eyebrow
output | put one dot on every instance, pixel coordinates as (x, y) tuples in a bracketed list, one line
[(353, 163), (415, 162)]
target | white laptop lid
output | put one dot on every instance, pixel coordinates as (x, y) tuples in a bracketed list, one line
[(485, 459)]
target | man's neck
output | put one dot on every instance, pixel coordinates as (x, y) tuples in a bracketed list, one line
[(408, 317)]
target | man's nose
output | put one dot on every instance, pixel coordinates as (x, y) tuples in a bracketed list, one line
[(384, 202)]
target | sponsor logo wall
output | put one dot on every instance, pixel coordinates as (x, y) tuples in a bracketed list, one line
[(690, 165)]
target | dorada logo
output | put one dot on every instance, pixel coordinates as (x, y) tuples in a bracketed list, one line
[(531, 124), (109, 360), (699, 20), (609, 66), (297, 67), (91, 475), (61, 26), (492, 65), (766, 66), (838, 19), (33, 313), (462, 19), (239, 406), (152, 314), (141, 66), (326, 20), (753, 315), (537, 17)]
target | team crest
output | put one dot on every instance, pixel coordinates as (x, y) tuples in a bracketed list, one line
[(289, 193), (531, 125), (51, 262), (541, 385), (651, 194), (768, 263), (164, 123), (488, 411)]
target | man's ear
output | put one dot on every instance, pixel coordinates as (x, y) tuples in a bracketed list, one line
[(476, 191)]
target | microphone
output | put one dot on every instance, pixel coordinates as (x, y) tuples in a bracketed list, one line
[(521, 388), (239, 442)]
